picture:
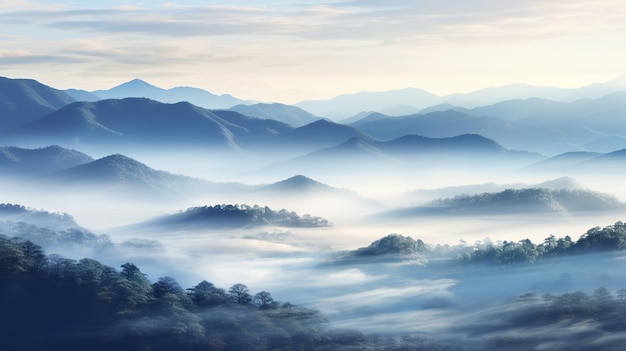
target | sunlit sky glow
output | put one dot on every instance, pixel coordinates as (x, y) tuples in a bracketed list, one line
[(289, 51)]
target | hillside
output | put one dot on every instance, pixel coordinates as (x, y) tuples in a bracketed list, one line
[(233, 216), (25, 100), (146, 122), (124, 174), (291, 115), (518, 201), (16, 161)]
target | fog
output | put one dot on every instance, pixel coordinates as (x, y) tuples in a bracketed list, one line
[(439, 299)]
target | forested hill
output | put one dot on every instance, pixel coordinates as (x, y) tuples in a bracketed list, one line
[(54, 303), (396, 246), (236, 216)]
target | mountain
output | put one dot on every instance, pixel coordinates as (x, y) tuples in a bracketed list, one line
[(443, 107), (579, 161), (421, 195), (291, 115), (514, 91), (17, 213), (140, 88), (347, 105), (25, 100), (82, 95), (435, 125), (298, 184), (320, 134), (26, 162), (363, 119), (597, 90), (146, 122), (517, 201), (122, 173), (370, 155)]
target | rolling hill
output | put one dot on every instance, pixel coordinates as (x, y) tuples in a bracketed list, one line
[(517, 201), (15, 161), (233, 216), (128, 176)]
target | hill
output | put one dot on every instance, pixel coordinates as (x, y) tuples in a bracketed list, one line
[(24, 162), (19, 213), (291, 115), (517, 201), (140, 88), (25, 100), (233, 216), (319, 134), (124, 174)]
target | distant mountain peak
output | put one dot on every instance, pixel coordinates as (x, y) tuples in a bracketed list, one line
[(298, 183)]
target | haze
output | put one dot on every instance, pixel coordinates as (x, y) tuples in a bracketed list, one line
[(289, 52)]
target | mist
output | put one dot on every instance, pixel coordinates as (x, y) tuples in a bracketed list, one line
[(135, 207)]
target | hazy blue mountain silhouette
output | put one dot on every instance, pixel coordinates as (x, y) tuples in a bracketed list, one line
[(563, 161), (144, 121), (431, 152), (344, 106), (82, 95), (517, 201), (25, 100), (359, 120), (18, 213), (443, 107), (615, 158), (435, 124), (126, 174), (297, 183), (320, 134), (140, 88), (291, 115), (347, 105), (24, 162), (583, 162)]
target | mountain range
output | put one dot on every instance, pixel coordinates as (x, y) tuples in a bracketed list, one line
[(144, 121), (403, 100), (196, 96)]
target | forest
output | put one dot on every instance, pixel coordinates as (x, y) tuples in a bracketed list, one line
[(52, 302)]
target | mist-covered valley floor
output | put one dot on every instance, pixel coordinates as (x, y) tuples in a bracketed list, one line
[(343, 240)]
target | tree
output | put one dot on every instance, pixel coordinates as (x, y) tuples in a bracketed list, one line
[(166, 285), (263, 300), (205, 294), (240, 294)]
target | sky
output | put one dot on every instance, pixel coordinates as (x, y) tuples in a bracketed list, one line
[(289, 51)]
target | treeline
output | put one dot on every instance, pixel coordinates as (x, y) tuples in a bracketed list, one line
[(51, 302), (597, 239), (240, 216)]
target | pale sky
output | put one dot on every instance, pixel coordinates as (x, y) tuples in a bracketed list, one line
[(289, 51)]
